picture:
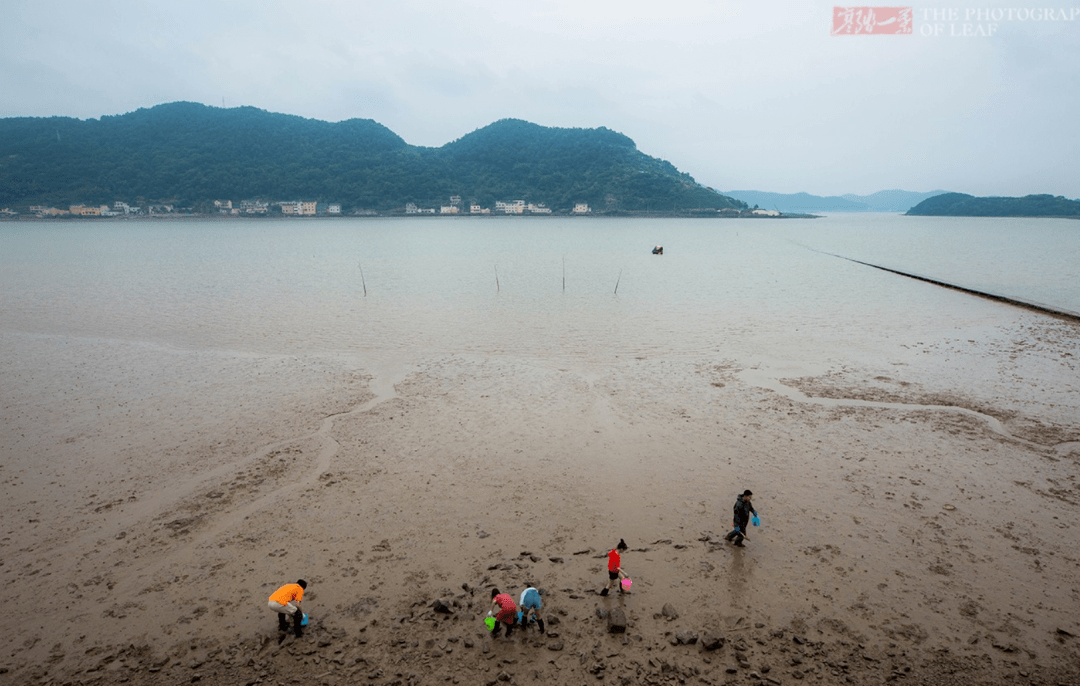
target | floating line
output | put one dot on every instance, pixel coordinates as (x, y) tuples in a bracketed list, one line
[(1019, 302)]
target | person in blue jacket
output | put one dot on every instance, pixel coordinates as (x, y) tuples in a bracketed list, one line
[(743, 508), (529, 605)]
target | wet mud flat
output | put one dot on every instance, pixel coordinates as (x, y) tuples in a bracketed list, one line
[(153, 501)]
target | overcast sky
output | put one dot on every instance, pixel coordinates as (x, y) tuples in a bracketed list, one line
[(741, 94)]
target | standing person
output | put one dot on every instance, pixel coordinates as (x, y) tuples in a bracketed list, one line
[(614, 567), (286, 601), (502, 605), (743, 508), (530, 604)]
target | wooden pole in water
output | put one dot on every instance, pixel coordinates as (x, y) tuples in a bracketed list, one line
[(564, 275), (617, 282), (497, 278), (362, 282)]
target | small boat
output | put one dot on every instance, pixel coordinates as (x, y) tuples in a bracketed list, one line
[(658, 250)]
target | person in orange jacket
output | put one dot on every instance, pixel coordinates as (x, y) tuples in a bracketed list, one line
[(286, 601)]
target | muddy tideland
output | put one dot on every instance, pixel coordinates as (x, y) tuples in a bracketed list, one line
[(153, 499)]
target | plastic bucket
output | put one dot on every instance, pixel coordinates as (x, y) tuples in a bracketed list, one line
[(304, 621), (626, 584), (489, 622)]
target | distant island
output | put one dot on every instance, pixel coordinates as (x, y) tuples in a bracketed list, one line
[(963, 205), (187, 157), (882, 201)]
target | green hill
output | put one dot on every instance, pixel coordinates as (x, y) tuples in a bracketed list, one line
[(964, 205), (189, 154)]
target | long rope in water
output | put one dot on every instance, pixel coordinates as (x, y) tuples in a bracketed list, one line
[(1019, 302)]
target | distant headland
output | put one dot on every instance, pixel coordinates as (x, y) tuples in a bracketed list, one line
[(963, 205)]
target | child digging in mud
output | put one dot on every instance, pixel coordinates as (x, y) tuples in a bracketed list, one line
[(530, 605), (504, 610)]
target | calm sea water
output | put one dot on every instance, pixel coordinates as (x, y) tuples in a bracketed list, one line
[(576, 287)]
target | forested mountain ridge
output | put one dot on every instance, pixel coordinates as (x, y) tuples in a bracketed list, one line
[(964, 205), (187, 153), (882, 201)]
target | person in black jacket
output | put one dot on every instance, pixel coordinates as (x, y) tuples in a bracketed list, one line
[(743, 508)]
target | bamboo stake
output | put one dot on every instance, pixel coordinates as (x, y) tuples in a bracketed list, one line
[(362, 278), (564, 275), (617, 282), (497, 278)]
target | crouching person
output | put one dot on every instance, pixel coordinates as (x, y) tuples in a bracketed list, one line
[(502, 606), (530, 604), (286, 601)]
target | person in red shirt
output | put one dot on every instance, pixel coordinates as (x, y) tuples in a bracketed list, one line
[(286, 601), (614, 567), (502, 605)]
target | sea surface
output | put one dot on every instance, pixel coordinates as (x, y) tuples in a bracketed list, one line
[(552, 286)]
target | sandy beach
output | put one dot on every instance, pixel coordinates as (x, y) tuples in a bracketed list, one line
[(911, 531)]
